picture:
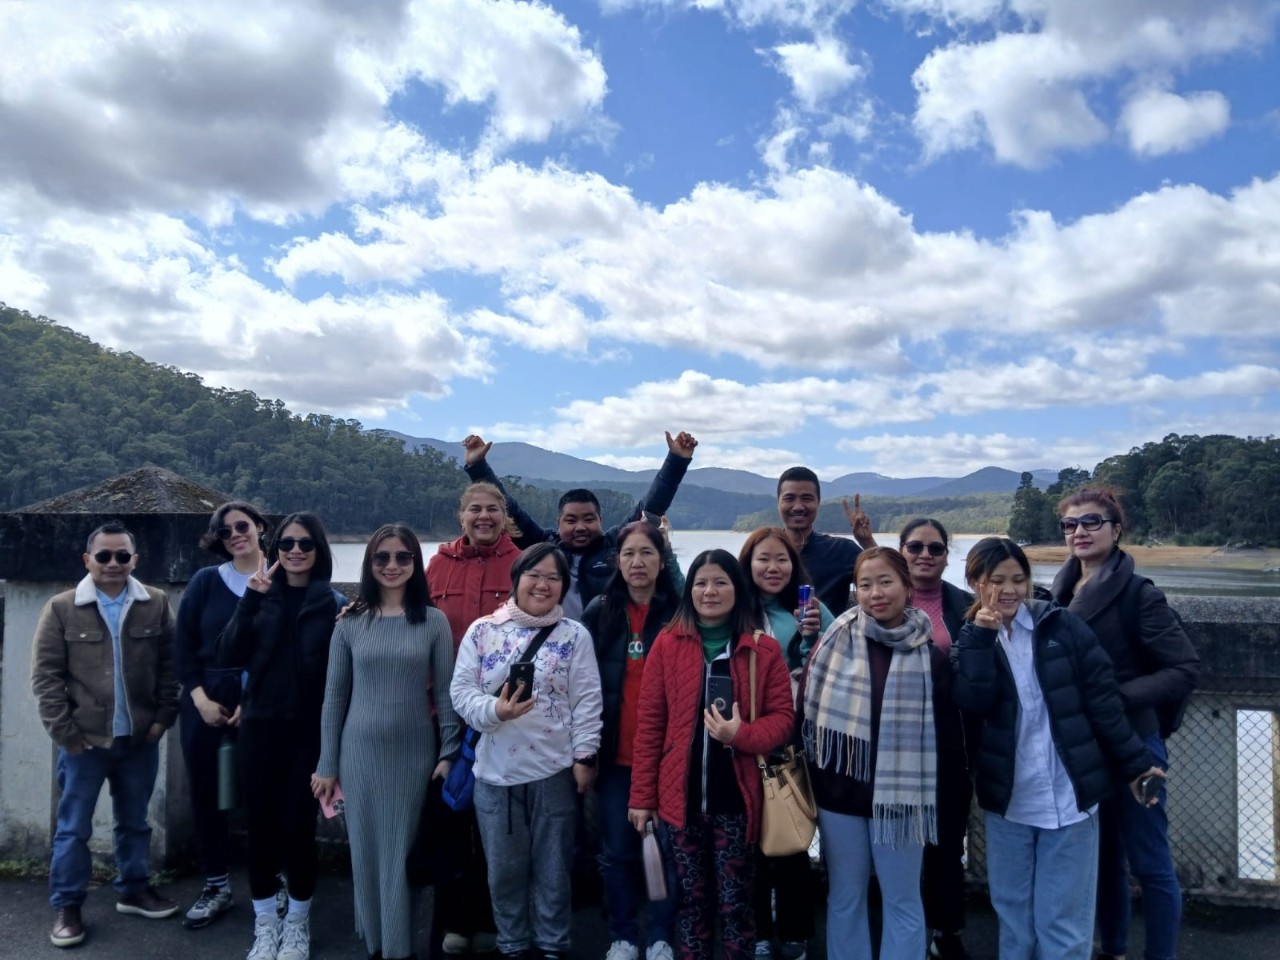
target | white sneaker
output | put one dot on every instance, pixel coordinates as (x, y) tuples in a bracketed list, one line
[(621, 950), (266, 938), (764, 950), (295, 938), (660, 950), (211, 902), (455, 944)]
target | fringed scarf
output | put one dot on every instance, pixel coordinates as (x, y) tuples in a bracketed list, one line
[(837, 725)]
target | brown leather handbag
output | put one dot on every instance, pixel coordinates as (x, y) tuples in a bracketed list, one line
[(789, 817)]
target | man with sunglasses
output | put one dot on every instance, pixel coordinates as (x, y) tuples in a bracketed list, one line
[(102, 675)]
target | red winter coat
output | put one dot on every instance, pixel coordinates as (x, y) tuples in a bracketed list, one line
[(670, 701), (467, 582)]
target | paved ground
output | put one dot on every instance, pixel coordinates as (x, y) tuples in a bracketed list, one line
[(1218, 934)]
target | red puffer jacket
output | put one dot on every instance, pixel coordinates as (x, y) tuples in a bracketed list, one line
[(670, 698), (467, 582)]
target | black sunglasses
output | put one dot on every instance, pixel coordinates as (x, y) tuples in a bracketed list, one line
[(104, 556), (382, 558), (1090, 522), (305, 544), (240, 526), (935, 548)]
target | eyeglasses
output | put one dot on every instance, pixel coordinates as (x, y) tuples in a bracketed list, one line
[(240, 526), (305, 544), (104, 556), (1090, 522), (914, 547), (383, 557), (551, 578)]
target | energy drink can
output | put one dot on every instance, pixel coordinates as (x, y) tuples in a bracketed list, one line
[(806, 594)]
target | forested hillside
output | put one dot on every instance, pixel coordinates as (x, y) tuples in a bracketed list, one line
[(1190, 490), (73, 413)]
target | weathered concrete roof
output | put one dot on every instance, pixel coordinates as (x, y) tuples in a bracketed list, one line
[(145, 490)]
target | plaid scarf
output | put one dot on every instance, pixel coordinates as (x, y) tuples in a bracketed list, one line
[(837, 724)]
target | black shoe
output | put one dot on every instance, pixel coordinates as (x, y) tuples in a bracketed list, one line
[(947, 946)]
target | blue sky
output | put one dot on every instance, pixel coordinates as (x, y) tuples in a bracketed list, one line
[(910, 236)]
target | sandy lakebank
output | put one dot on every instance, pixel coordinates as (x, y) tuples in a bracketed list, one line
[(1227, 558)]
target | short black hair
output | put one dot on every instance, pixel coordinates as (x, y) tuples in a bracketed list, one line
[(799, 475), (577, 495), (112, 527), (533, 556)]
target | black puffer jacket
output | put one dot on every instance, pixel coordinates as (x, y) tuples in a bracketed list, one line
[(610, 629), (1097, 746), (288, 658), (1155, 667)]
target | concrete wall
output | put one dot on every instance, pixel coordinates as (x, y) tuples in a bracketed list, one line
[(28, 792)]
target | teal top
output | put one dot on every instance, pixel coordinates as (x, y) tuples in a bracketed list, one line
[(782, 625)]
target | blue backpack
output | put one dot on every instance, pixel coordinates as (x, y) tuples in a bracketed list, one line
[(460, 784)]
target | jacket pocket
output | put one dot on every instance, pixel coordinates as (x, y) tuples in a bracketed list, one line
[(73, 635), (144, 631)]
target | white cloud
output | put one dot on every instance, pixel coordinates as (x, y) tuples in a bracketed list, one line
[(279, 110), (1028, 92), (805, 14), (817, 70), (1159, 122)]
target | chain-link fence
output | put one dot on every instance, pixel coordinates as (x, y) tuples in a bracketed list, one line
[(1223, 798)]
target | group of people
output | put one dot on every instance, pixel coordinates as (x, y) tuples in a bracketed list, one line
[(585, 660)]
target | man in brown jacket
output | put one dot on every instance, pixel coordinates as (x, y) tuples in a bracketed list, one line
[(102, 675)]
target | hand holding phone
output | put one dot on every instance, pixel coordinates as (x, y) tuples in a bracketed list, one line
[(720, 694), (520, 680)]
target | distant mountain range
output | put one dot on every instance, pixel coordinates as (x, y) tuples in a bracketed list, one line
[(547, 469)]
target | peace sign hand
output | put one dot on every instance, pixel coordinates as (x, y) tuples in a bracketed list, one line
[(988, 614), (260, 582), (859, 522)]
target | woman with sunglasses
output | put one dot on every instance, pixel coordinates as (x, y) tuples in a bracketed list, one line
[(281, 632), (210, 703), (694, 754), (1157, 668), (926, 545), (377, 738), (537, 752)]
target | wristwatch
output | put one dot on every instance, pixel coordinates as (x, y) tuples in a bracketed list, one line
[(586, 761)]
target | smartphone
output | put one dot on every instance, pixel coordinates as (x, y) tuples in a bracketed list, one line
[(1150, 787), (521, 672), (720, 694), (336, 804)]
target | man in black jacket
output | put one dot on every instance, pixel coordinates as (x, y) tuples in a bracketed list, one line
[(579, 530)]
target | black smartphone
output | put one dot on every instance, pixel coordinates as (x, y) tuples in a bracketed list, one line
[(720, 694), (1150, 787), (521, 672)]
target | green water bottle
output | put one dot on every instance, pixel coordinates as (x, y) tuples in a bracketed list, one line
[(226, 774)]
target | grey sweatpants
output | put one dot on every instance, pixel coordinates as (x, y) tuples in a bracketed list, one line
[(528, 833)]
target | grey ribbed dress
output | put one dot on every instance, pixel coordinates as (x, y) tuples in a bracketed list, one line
[(378, 739)]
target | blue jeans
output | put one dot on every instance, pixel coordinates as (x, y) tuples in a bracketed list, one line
[(850, 854), (130, 768), (1136, 839), (620, 867), (1042, 885)]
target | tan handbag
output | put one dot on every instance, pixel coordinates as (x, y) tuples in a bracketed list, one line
[(789, 816)]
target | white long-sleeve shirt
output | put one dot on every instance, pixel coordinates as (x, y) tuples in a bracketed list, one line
[(565, 721)]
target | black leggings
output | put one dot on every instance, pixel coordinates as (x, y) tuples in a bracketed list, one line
[(277, 758)]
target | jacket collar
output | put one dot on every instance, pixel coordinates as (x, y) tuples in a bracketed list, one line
[(1102, 588), (87, 592), (462, 549)]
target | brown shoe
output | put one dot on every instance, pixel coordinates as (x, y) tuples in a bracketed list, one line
[(147, 903), (68, 929)]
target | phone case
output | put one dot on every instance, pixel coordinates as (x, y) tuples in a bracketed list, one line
[(720, 693), (521, 670), (335, 805)]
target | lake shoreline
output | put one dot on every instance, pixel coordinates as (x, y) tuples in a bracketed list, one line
[(1261, 559)]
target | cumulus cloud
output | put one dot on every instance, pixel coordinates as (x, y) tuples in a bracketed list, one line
[(278, 110), (817, 70), (1029, 92), (807, 14), (1159, 122)]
